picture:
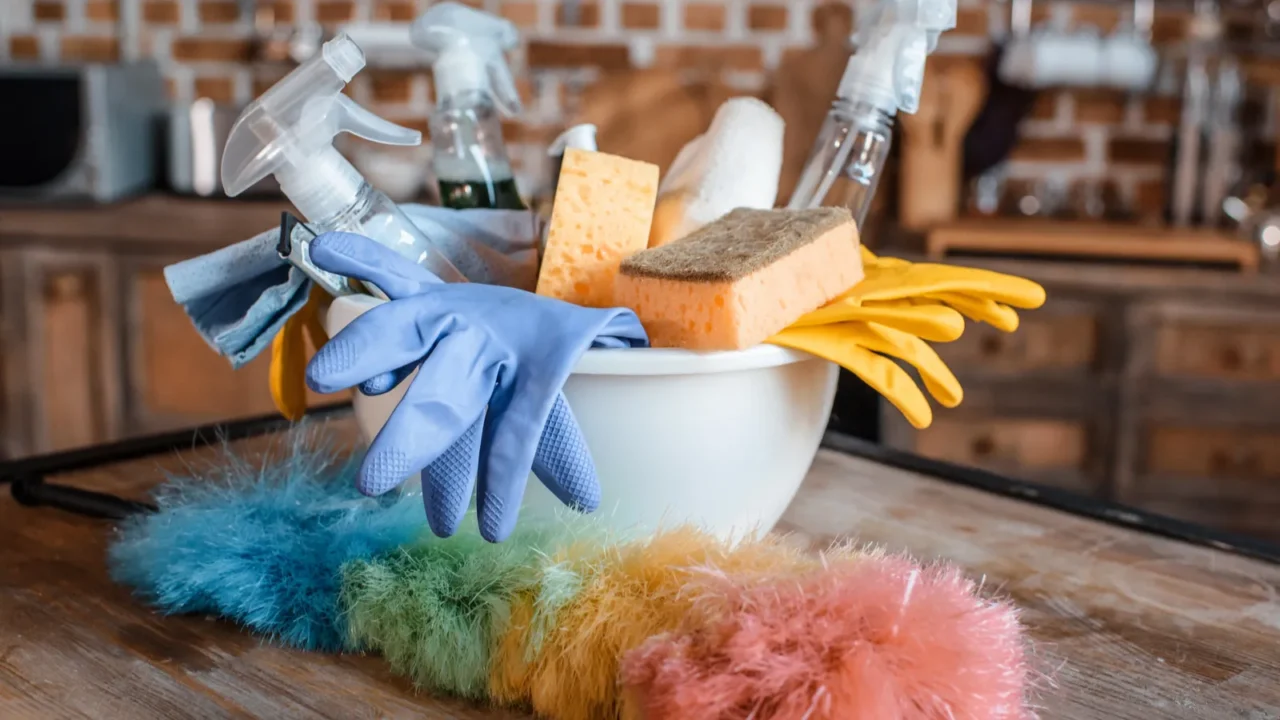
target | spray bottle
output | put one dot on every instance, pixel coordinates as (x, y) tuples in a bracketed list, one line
[(474, 90), (289, 132), (882, 78)]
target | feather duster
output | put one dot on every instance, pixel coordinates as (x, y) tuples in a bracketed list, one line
[(262, 543), (872, 637)]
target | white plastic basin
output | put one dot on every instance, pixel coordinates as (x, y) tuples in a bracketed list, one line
[(720, 440)]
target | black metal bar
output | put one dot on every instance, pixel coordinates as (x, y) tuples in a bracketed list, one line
[(1058, 499), (30, 488), (35, 492), (96, 455)]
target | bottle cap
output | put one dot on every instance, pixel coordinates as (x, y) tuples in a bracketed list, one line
[(894, 39), (466, 49), (289, 131), (582, 137)]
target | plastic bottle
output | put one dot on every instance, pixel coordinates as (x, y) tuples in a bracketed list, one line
[(885, 75), (582, 137), (474, 90), (289, 131)]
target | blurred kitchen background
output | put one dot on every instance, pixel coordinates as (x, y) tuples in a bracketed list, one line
[(1121, 153)]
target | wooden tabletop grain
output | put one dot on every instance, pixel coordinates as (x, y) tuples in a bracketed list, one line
[(1131, 626)]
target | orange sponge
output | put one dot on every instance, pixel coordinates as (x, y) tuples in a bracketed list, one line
[(602, 211), (737, 281)]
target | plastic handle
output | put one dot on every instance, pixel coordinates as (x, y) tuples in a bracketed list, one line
[(505, 94), (358, 121)]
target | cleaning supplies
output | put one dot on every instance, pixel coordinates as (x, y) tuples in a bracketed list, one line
[(602, 213), (735, 164), (239, 297), (572, 622), (742, 278), (289, 132), (865, 349), (881, 79), (484, 355), (581, 137), (891, 313), (289, 355), (474, 90)]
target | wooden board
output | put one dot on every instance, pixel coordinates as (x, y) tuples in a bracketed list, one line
[(1092, 240), (178, 226), (1133, 626)]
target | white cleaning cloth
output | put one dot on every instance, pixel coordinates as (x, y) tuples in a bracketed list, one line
[(734, 164)]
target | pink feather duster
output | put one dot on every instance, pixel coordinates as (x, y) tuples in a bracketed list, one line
[(873, 637)]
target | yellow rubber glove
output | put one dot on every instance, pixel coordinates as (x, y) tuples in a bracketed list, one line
[(980, 309), (895, 279), (860, 348), (289, 356), (929, 321)]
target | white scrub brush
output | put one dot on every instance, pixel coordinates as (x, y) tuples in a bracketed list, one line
[(734, 164)]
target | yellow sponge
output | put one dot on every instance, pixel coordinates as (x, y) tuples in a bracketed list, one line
[(602, 212)]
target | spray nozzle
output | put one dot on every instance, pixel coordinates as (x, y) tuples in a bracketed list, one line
[(291, 127), (582, 137), (467, 49), (894, 39)]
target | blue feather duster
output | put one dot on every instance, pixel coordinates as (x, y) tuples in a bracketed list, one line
[(263, 543)]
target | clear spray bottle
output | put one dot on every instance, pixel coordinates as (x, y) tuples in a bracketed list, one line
[(474, 91), (883, 77), (288, 132)]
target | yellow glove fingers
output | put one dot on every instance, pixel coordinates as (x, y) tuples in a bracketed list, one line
[(980, 309), (881, 373), (885, 281), (934, 322), (938, 378), (1008, 289), (316, 304), (288, 361)]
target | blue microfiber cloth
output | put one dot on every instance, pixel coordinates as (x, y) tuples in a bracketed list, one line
[(263, 542), (239, 297)]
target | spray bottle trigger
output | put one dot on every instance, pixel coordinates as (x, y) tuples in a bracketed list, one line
[(505, 94), (358, 121)]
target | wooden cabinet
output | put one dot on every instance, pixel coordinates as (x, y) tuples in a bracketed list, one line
[(1062, 339), (1156, 388), (94, 347)]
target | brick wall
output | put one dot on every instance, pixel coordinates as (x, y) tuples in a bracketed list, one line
[(205, 47)]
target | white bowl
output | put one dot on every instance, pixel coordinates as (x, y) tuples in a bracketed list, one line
[(720, 440)]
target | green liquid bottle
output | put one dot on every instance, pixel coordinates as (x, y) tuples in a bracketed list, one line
[(469, 195), (474, 90)]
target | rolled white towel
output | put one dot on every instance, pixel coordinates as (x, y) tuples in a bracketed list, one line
[(735, 163)]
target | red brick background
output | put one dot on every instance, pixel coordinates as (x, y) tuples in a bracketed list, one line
[(206, 49)]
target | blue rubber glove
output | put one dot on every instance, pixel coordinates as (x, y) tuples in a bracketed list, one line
[(475, 347)]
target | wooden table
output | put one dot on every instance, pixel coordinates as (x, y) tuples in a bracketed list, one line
[(1131, 625)]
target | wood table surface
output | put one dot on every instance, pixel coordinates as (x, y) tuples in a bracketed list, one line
[(1128, 625)]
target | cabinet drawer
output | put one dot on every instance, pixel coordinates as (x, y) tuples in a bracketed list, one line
[(1230, 347), (1217, 453), (1226, 478), (177, 379), (1055, 451), (1060, 337)]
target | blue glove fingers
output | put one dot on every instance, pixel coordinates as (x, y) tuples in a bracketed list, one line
[(447, 482), (512, 433), (366, 259), (383, 340), (441, 404), (623, 328), (386, 382), (563, 462)]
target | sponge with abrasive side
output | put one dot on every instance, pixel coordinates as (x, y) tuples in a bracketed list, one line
[(737, 281)]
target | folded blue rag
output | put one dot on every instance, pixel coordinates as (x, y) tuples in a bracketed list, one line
[(239, 297)]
